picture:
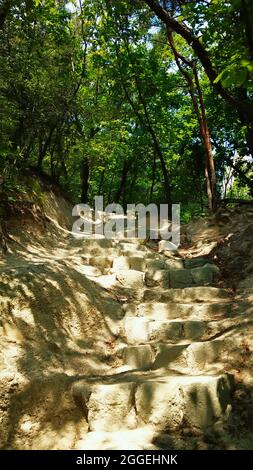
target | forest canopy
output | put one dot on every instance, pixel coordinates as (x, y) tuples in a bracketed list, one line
[(138, 101)]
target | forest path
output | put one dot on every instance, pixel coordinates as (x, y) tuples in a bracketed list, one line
[(114, 345), (175, 335)]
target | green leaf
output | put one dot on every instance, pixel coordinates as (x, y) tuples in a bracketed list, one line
[(245, 62), (219, 77), (241, 77), (235, 77)]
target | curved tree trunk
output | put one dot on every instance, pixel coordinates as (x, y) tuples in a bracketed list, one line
[(199, 108), (243, 107)]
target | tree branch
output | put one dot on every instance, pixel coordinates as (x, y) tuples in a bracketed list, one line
[(194, 42)]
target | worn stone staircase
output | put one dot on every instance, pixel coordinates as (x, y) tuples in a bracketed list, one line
[(172, 339)]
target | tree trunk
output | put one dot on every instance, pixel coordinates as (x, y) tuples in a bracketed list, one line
[(85, 174), (199, 108), (153, 178), (43, 147), (244, 107), (166, 177), (157, 148), (122, 186), (207, 142), (101, 182), (147, 125)]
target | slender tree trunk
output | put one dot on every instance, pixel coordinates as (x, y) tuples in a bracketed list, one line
[(41, 155), (85, 167), (134, 176), (157, 147), (122, 186), (243, 107), (52, 166), (111, 188), (199, 108), (61, 154), (207, 141), (43, 147), (147, 125), (101, 182), (153, 178), (166, 177), (237, 168), (195, 43), (85, 174)]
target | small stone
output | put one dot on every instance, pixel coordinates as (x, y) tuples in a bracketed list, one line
[(165, 245)]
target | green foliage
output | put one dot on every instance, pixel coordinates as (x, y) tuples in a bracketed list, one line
[(239, 73), (190, 211), (93, 85)]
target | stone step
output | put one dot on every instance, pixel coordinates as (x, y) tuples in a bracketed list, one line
[(177, 278), (121, 263), (134, 262), (130, 278), (153, 262), (196, 262), (103, 243), (163, 402), (132, 241), (150, 263), (99, 247), (188, 295), (138, 253), (159, 277), (197, 402), (188, 358), (140, 330), (138, 263), (126, 247), (171, 310)]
